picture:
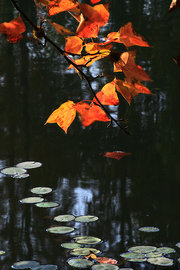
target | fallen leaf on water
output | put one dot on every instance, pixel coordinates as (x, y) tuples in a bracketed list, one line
[(105, 260), (116, 155)]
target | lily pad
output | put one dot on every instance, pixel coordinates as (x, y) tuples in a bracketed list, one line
[(161, 261), (138, 260), (149, 229), (87, 218), (104, 266), (47, 204), (132, 255), (84, 251), (142, 249), (24, 175), (41, 190), (166, 250), (80, 263), (87, 240), (24, 264), (154, 254), (13, 171), (32, 200), (2, 252), (64, 218), (29, 165), (178, 245), (60, 230), (45, 267), (71, 245)]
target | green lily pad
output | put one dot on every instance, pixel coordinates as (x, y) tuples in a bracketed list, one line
[(13, 171), (87, 218), (142, 249), (149, 229), (45, 267), (24, 264), (84, 251), (87, 240), (64, 218), (178, 245), (161, 261), (2, 252), (21, 176), (41, 190), (79, 263), (32, 200), (29, 165), (104, 266), (125, 268), (138, 260), (71, 245), (154, 254), (47, 204), (60, 230), (132, 255), (166, 250)]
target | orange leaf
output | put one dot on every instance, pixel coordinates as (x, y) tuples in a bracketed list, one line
[(177, 60), (129, 90), (13, 29), (61, 29), (95, 1), (116, 155), (92, 47), (56, 6), (108, 95), (91, 256), (174, 4), (64, 115), (105, 260), (73, 45), (127, 36), (90, 113), (87, 29)]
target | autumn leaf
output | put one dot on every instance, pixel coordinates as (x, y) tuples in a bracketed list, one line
[(92, 18), (93, 47), (91, 256), (64, 115), (13, 30), (105, 260), (130, 90), (90, 113), (61, 29), (116, 155), (56, 6), (107, 95), (95, 1), (174, 4), (177, 60), (73, 45), (127, 36)]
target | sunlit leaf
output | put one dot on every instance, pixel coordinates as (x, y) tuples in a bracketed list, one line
[(73, 45), (80, 263), (105, 260), (64, 218), (41, 190), (56, 6), (95, 1), (24, 264), (29, 165), (142, 249), (174, 4), (21, 176), (64, 115), (61, 29), (84, 251), (91, 256), (87, 218), (161, 261), (90, 113), (13, 30), (71, 245), (13, 171), (149, 229), (107, 95), (87, 240), (92, 48), (2, 252), (116, 155), (32, 200), (166, 250), (154, 254), (60, 230), (47, 204)]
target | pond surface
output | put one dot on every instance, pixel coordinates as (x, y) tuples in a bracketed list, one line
[(139, 190)]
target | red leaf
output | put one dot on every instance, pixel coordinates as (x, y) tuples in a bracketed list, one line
[(105, 260), (90, 113), (73, 45), (13, 29), (174, 4), (95, 1), (177, 60), (116, 155), (108, 95)]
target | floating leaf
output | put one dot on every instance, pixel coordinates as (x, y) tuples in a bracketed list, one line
[(161, 261), (178, 245), (80, 263), (142, 249), (149, 229), (64, 218), (87, 240), (2, 252), (154, 254), (84, 251), (166, 250), (45, 267), (32, 200), (104, 266), (105, 260), (47, 204), (29, 165), (60, 230), (132, 255), (116, 155), (21, 176), (71, 245), (41, 190), (87, 218), (13, 171), (138, 260), (24, 264)]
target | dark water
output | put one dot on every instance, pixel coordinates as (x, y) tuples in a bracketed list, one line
[(139, 190)]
